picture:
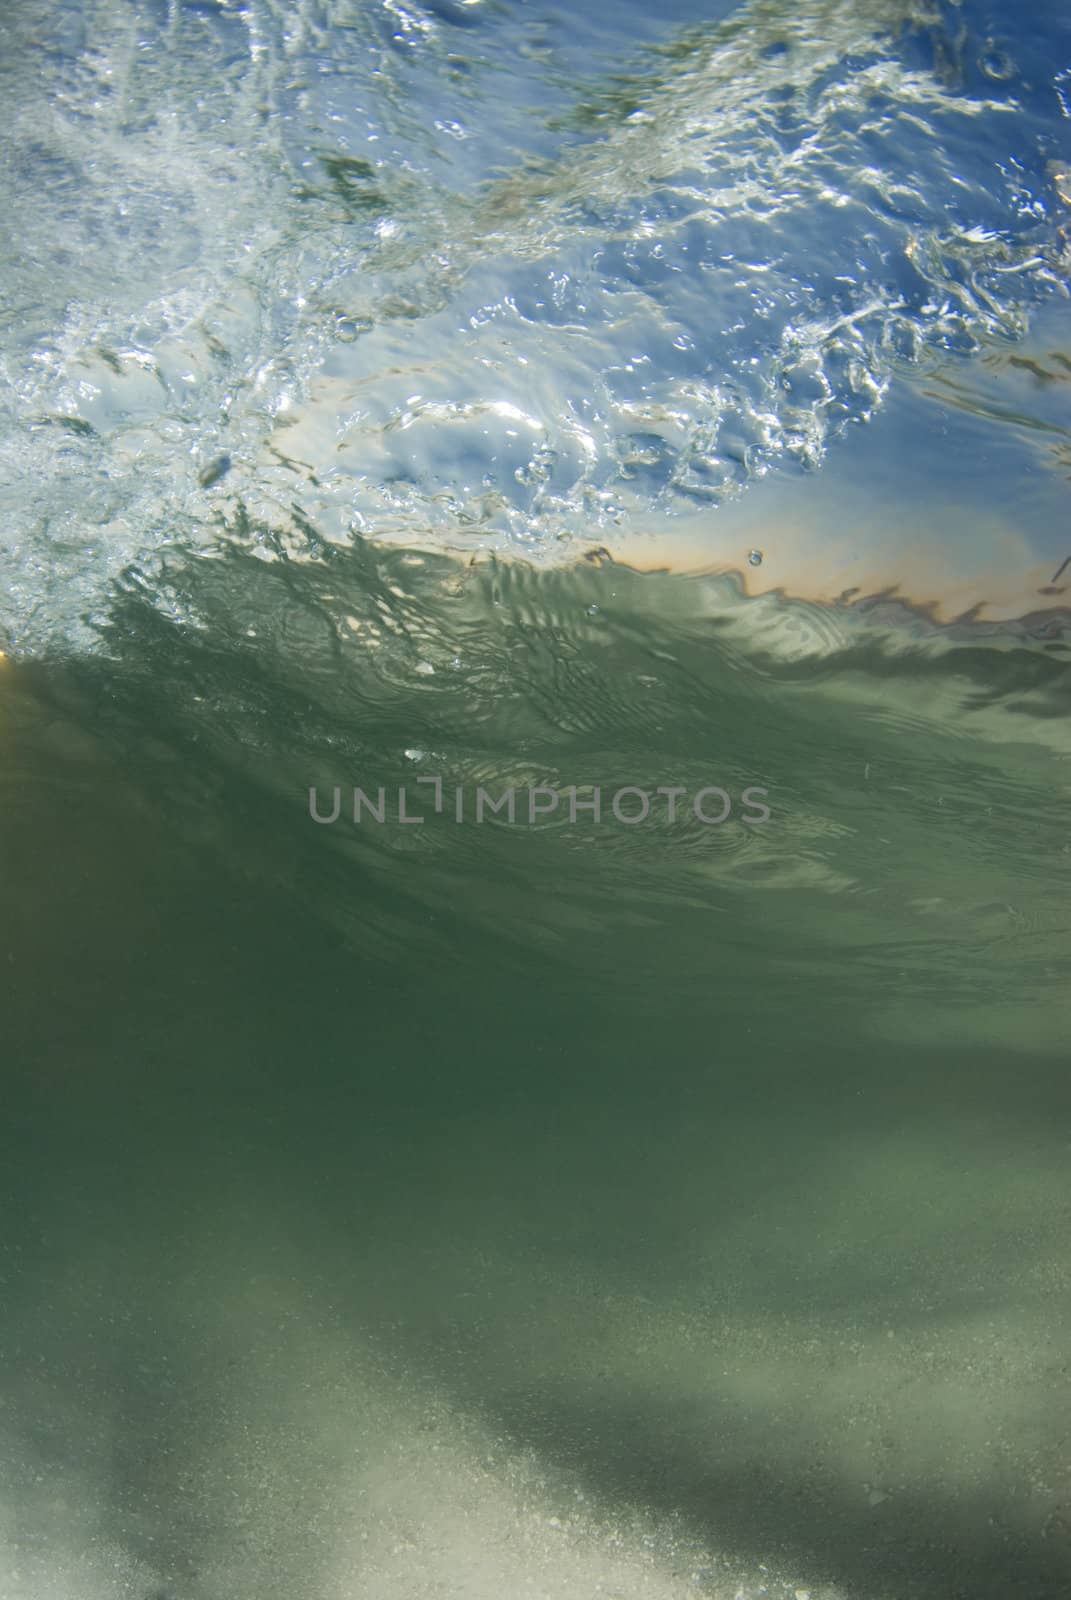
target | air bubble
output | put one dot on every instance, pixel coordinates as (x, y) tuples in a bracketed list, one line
[(997, 65)]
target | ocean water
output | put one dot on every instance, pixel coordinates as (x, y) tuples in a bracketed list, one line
[(535, 806)]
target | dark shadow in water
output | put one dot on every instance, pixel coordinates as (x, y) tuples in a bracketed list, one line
[(194, 1053), (915, 1546)]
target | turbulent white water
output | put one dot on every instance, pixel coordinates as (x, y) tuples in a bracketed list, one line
[(507, 1213), (475, 275)]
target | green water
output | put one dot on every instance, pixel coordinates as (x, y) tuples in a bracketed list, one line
[(562, 1210), (463, 398)]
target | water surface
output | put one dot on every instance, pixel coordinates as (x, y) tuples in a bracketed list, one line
[(545, 401)]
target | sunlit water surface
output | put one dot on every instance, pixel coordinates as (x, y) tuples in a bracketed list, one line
[(530, 399)]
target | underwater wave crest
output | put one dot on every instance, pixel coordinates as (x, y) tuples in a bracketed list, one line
[(449, 274)]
